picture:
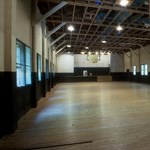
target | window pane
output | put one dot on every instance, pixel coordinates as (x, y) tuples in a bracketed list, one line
[(39, 67), (28, 75), (20, 75), (18, 55), (142, 69), (22, 56), (28, 56), (134, 70), (146, 70)]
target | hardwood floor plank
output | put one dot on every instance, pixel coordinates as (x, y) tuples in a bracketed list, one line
[(111, 115)]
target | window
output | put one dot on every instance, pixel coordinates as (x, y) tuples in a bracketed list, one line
[(39, 67), (23, 64), (134, 70), (28, 65), (47, 69), (144, 69)]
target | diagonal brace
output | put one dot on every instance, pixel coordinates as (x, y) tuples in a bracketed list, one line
[(54, 30), (60, 49), (58, 39), (52, 11)]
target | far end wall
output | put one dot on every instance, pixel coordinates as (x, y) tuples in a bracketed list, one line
[(137, 58)]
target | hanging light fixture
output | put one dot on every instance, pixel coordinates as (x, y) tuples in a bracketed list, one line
[(124, 3), (86, 47), (82, 52), (71, 28), (119, 28), (68, 46), (104, 42)]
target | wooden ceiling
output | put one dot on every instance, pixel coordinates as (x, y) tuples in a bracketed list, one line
[(95, 21)]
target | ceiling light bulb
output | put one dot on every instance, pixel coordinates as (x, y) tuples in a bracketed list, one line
[(96, 53), (86, 47), (103, 41), (69, 46), (71, 28), (82, 53), (119, 28), (124, 3)]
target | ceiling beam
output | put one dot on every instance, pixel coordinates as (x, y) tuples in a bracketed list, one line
[(60, 50), (96, 24), (62, 43), (116, 8), (85, 11), (110, 36), (57, 39), (127, 37), (50, 12), (55, 29)]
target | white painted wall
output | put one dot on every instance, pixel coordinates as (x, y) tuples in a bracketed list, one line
[(23, 22), (22, 27), (145, 56), (117, 63), (135, 60), (138, 57), (65, 63), (127, 61), (38, 38), (81, 61), (2, 35)]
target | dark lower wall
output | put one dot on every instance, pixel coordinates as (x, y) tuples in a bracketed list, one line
[(63, 77), (16, 101), (94, 71), (52, 80), (47, 85), (116, 76), (136, 78), (120, 76), (8, 105), (128, 76), (69, 77), (140, 79)]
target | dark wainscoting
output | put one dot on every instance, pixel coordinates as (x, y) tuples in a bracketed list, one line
[(23, 100), (52, 79), (47, 85), (39, 90), (95, 71), (81, 78), (33, 93), (140, 79), (120, 76), (8, 105), (16, 101), (136, 78), (145, 79), (69, 77), (43, 88), (63, 77)]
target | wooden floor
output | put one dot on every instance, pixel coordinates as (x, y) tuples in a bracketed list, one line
[(87, 116)]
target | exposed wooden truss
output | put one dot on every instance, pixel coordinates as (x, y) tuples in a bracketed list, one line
[(95, 21)]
